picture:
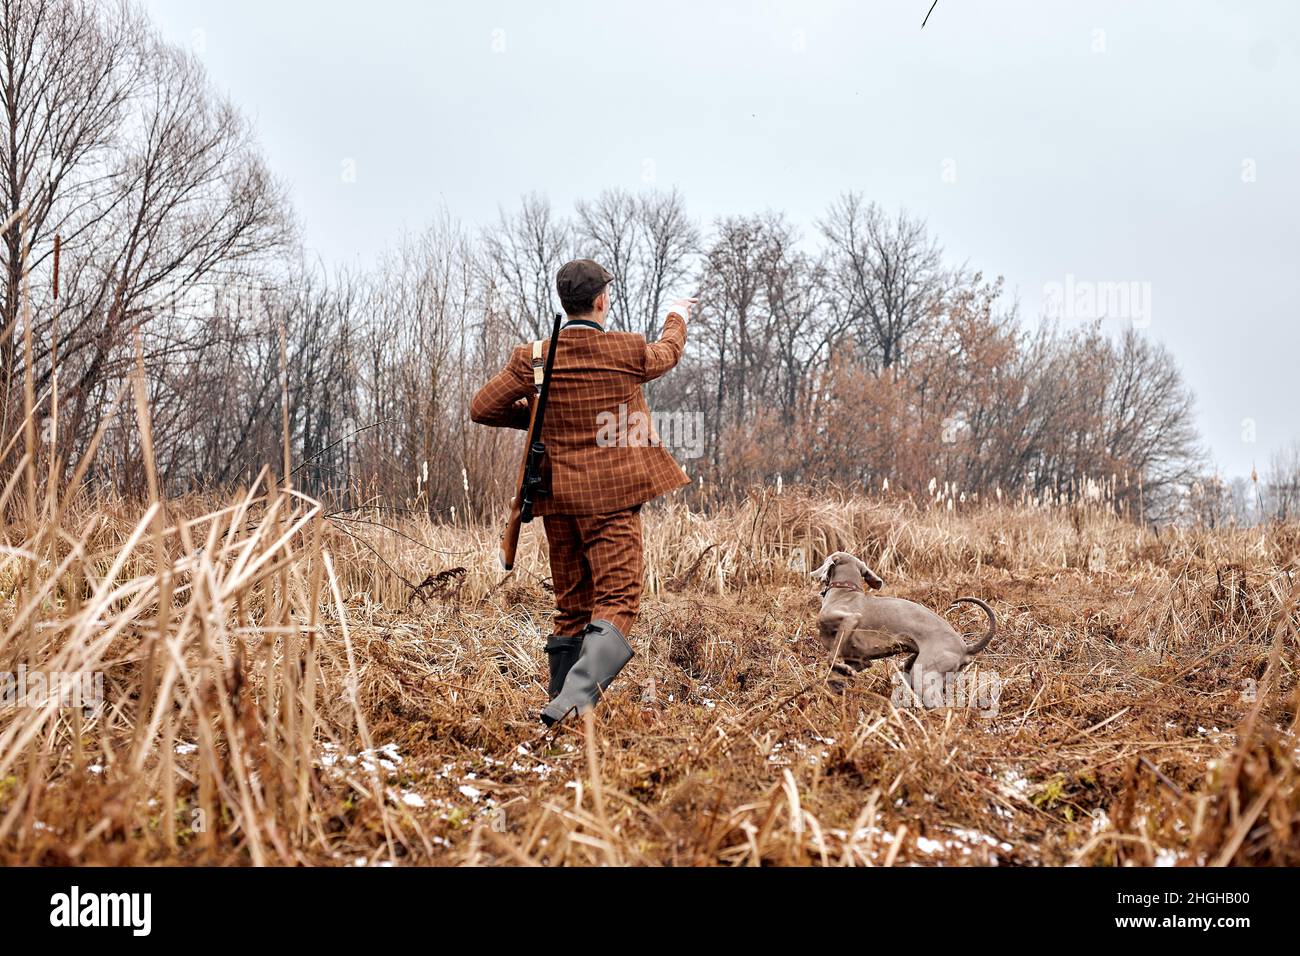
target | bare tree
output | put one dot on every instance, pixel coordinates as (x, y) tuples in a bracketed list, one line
[(648, 242), (524, 253), (888, 275), (117, 143), (733, 316), (67, 73), (1148, 419), (608, 230), (1282, 484)]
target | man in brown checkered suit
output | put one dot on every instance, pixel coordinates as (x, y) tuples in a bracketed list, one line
[(603, 461)]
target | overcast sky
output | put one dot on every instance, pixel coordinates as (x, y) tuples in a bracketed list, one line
[(1062, 146)]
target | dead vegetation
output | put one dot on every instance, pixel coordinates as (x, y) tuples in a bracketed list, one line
[(279, 683), (276, 693)]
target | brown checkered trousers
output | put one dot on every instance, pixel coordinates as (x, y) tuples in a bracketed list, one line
[(603, 461)]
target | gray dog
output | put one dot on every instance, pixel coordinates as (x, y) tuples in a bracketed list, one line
[(859, 628)]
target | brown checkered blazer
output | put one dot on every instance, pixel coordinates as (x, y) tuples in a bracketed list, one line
[(600, 456)]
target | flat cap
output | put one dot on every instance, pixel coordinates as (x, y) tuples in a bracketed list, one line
[(581, 280)]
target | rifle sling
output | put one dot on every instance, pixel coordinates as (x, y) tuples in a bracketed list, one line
[(542, 380), (539, 370)]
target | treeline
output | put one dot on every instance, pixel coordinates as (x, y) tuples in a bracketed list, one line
[(849, 351)]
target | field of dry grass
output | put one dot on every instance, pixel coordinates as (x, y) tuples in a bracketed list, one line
[(274, 693)]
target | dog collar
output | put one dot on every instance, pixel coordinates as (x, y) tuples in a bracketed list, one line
[(845, 585)]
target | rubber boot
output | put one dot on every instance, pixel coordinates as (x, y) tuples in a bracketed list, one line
[(605, 652), (561, 654)]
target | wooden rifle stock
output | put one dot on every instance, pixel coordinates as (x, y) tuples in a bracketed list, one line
[(530, 476), (510, 539)]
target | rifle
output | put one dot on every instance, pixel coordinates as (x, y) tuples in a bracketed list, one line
[(530, 472)]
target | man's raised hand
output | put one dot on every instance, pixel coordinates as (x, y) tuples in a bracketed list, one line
[(683, 308)]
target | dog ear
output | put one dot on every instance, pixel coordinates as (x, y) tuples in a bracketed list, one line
[(821, 573), (871, 577)]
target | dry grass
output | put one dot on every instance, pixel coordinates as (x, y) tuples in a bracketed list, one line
[(276, 691), (275, 694)]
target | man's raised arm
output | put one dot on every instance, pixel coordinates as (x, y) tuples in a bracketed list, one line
[(662, 356), (503, 401)]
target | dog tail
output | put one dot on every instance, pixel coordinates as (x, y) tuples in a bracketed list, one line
[(983, 642)]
